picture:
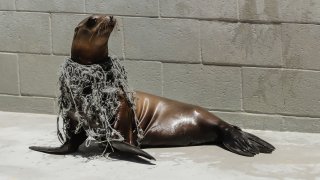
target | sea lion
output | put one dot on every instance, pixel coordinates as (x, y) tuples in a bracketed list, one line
[(163, 122)]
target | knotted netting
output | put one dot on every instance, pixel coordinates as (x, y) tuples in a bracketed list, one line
[(91, 93)]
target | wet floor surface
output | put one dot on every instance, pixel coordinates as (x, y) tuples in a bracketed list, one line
[(297, 157)]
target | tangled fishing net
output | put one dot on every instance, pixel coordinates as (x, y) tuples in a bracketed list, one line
[(91, 92)]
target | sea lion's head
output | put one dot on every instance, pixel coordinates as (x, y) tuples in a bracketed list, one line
[(90, 40)]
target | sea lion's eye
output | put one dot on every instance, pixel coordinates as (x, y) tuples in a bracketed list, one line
[(91, 21)]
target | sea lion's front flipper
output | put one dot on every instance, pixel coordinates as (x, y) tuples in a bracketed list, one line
[(243, 143), (66, 148), (71, 144), (128, 148)]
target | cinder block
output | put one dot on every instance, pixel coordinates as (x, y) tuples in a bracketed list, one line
[(301, 45), (252, 121), (267, 10), (235, 43), (7, 5), (169, 40), (25, 32), (263, 45), (9, 80), (123, 7), (300, 10), (291, 92), (284, 10), (27, 104), (301, 92), (262, 90), (63, 26), (222, 42), (291, 10), (301, 124), (51, 6), (212, 9), (213, 87), (144, 76), (39, 74)]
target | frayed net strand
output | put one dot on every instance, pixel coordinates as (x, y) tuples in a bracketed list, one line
[(92, 92)]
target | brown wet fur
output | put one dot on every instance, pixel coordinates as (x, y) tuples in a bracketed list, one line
[(165, 122), (90, 40)]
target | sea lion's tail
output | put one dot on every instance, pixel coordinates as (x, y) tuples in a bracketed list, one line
[(243, 143)]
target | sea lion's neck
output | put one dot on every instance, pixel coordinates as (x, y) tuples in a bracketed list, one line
[(87, 60)]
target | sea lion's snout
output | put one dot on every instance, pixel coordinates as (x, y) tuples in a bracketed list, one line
[(102, 22), (111, 21), (108, 20)]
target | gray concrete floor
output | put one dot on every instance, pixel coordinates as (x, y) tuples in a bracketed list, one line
[(297, 157)]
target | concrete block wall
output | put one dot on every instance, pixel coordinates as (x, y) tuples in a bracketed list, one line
[(253, 63)]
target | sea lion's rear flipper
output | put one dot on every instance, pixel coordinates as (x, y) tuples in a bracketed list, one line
[(66, 148), (243, 143), (128, 148)]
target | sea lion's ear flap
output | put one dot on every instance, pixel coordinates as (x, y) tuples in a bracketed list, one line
[(128, 148)]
